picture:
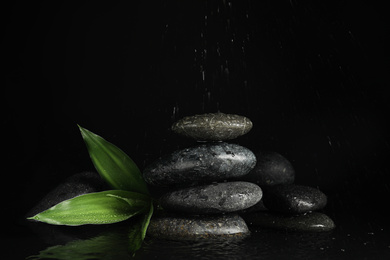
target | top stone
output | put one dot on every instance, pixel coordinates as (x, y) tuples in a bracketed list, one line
[(213, 126)]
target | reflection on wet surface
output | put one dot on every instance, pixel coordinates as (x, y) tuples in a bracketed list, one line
[(353, 237)]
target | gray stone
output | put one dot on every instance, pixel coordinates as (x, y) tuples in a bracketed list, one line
[(213, 198), (293, 199), (271, 169), (202, 163), (76, 185), (194, 228), (213, 126), (314, 221)]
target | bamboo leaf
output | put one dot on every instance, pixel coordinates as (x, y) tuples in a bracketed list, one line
[(137, 232), (115, 166), (96, 208), (146, 220)]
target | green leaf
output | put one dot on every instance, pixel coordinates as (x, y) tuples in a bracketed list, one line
[(146, 220), (96, 208), (115, 167), (137, 232)]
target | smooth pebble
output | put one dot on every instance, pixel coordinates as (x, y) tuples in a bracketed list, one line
[(202, 163), (213, 126), (213, 198), (293, 199), (314, 221), (271, 169), (194, 228), (75, 185)]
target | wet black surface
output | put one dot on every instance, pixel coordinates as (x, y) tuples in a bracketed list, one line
[(312, 77), (356, 236)]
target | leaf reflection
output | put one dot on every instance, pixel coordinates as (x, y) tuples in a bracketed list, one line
[(115, 244)]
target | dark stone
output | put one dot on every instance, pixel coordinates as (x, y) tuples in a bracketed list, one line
[(259, 206), (271, 169), (194, 228), (313, 221), (213, 198), (293, 199), (203, 163), (76, 185), (213, 127)]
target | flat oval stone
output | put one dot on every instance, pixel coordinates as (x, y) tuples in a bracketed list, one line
[(194, 228), (271, 169), (293, 199), (213, 126), (314, 221), (202, 163), (213, 198)]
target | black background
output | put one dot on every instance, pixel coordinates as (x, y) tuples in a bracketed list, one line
[(311, 75)]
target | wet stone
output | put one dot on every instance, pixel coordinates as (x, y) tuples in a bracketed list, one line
[(314, 221), (293, 199), (76, 185), (195, 227), (202, 163), (213, 198), (213, 126), (271, 169)]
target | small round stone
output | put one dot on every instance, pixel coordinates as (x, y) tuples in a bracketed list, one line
[(213, 126), (202, 163), (271, 169), (293, 199), (313, 221), (213, 198), (76, 185), (197, 227)]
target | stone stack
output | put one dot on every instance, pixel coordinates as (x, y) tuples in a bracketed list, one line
[(210, 185), (204, 192)]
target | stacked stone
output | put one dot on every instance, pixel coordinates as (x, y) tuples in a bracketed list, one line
[(204, 195), (285, 205), (202, 203)]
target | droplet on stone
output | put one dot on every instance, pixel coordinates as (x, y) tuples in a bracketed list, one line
[(271, 169), (293, 199), (198, 227), (202, 163), (313, 221), (213, 198), (213, 126)]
